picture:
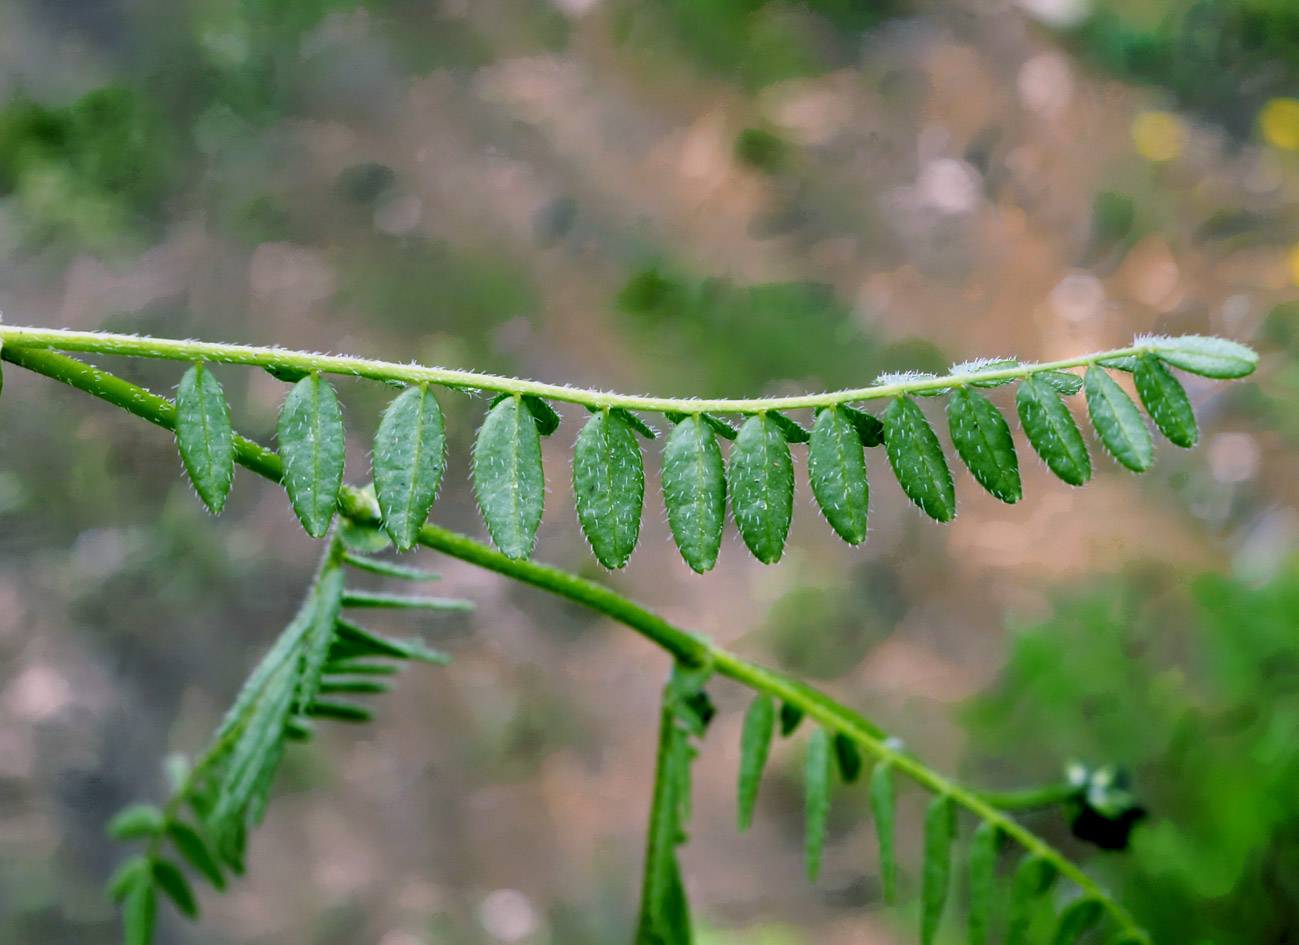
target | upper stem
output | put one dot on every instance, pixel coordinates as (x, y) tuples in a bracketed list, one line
[(12, 337)]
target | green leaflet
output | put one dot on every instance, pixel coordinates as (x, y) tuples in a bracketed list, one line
[(1079, 916), (983, 366), (790, 716), (793, 432), (882, 793), (340, 711), (847, 758), (1064, 383), (609, 485), (133, 871), (816, 776), (983, 880), (1166, 402), (837, 468), (139, 913), (694, 491), (136, 821), (716, 424), (755, 746), (870, 430), (409, 456), (1052, 431), (312, 447), (508, 477), (635, 422), (917, 459), (403, 601), (171, 881), (762, 487), (190, 845), (542, 412), (940, 823), (983, 441), (327, 602), (204, 437), (1117, 421), (665, 914), (1033, 877), (388, 568), (1208, 357)]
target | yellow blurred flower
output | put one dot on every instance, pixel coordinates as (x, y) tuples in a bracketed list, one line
[(1279, 120), (1159, 136), (1292, 258)]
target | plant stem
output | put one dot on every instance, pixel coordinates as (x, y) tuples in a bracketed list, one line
[(687, 648), (13, 337)]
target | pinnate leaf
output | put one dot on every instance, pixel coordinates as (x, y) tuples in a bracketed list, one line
[(1166, 402), (1206, 356), (983, 879), (762, 487), (837, 469), (917, 459), (508, 477), (1117, 421), (204, 437), (755, 746), (983, 441), (609, 484), (816, 776), (937, 865), (1079, 916), (1051, 430), (409, 456), (694, 491), (883, 802), (312, 447)]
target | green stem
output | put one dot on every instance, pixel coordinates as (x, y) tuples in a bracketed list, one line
[(279, 358), (688, 648)]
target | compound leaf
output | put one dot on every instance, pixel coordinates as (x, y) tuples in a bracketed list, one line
[(762, 487), (1117, 421), (694, 491), (983, 441), (917, 459), (816, 774), (1166, 402), (837, 469), (609, 485), (937, 865), (204, 437), (755, 746), (508, 478), (882, 798), (1206, 356), (1051, 430), (983, 878), (1079, 916), (409, 456), (312, 448)]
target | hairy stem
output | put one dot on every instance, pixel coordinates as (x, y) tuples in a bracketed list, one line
[(280, 358), (688, 648)]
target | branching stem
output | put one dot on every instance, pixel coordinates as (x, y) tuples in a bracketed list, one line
[(269, 357), (688, 648)]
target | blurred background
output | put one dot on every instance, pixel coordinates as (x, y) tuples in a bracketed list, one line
[(710, 197)]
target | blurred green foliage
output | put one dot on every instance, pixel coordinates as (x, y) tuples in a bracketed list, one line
[(1194, 686), (727, 338), (755, 42), (1213, 55), (89, 170)]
